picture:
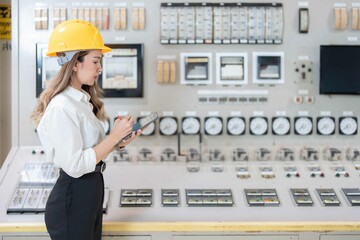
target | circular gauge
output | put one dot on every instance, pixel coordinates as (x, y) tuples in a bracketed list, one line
[(149, 130), (303, 125), (213, 125), (236, 125), (258, 125), (191, 125), (281, 125), (348, 125), (325, 125), (168, 126)]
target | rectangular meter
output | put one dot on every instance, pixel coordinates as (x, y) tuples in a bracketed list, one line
[(195, 68)]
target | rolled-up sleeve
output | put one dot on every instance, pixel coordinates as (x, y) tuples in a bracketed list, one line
[(65, 134)]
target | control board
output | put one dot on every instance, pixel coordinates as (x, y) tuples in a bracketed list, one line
[(181, 190), (255, 124)]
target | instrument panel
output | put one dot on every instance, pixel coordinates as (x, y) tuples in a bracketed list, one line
[(243, 134), (244, 182)]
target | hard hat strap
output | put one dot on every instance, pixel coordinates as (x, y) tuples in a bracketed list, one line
[(65, 57)]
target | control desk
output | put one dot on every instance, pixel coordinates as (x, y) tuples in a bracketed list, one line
[(176, 190)]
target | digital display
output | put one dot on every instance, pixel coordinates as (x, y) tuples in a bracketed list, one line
[(339, 69), (196, 68), (232, 68), (122, 74), (120, 69), (269, 67)]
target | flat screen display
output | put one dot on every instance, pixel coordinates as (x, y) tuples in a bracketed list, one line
[(339, 69)]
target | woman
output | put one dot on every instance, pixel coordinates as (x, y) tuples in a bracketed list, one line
[(69, 114)]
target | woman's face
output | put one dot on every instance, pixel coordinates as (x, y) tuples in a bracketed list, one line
[(87, 72)]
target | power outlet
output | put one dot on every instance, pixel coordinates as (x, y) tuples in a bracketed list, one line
[(303, 70)]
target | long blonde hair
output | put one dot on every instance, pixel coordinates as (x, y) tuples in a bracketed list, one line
[(61, 81)]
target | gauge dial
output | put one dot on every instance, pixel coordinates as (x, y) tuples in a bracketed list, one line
[(348, 125), (236, 125), (213, 126), (149, 130), (168, 126), (281, 125), (303, 126), (258, 126), (190, 125), (325, 125)]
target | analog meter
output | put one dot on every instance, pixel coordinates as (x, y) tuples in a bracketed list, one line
[(190, 125), (168, 126), (236, 125), (149, 130), (258, 126), (213, 125), (303, 125), (281, 125), (325, 125), (348, 125)]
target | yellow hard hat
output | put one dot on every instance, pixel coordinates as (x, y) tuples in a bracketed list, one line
[(73, 35)]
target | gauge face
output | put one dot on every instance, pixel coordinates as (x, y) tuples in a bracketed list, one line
[(325, 125), (168, 126), (348, 125), (258, 126), (191, 125), (303, 125), (213, 126), (281, 125), (149, 130), (236, 126)]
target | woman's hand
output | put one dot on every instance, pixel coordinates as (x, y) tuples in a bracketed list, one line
[(134, 135), (122, 127)]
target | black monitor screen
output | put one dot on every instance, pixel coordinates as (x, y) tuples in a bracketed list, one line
[(339, 69)]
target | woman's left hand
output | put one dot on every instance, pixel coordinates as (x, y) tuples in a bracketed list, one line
[(134, 135)]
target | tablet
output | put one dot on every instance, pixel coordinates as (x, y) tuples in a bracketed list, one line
[(142, 123)]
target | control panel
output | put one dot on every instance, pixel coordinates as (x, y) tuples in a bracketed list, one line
[(296, 182), (255, 123)]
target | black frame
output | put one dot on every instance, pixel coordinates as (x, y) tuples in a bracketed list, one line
[(266, 61), (222, 122), (189, 65), (182, 121), (175, 118), (227, 122), (126, 92), (267, 128), (272, 129), (317, 127), (312, 125), (339, 122), (306, 11), (339, 70)]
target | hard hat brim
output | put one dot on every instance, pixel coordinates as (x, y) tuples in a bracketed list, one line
[(105, 49)]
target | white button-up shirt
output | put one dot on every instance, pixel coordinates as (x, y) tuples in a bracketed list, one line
[(69, 130)]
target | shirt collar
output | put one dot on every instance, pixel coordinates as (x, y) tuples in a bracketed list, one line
[(77, 94)]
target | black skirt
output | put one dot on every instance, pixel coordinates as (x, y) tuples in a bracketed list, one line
[(74, 209)]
